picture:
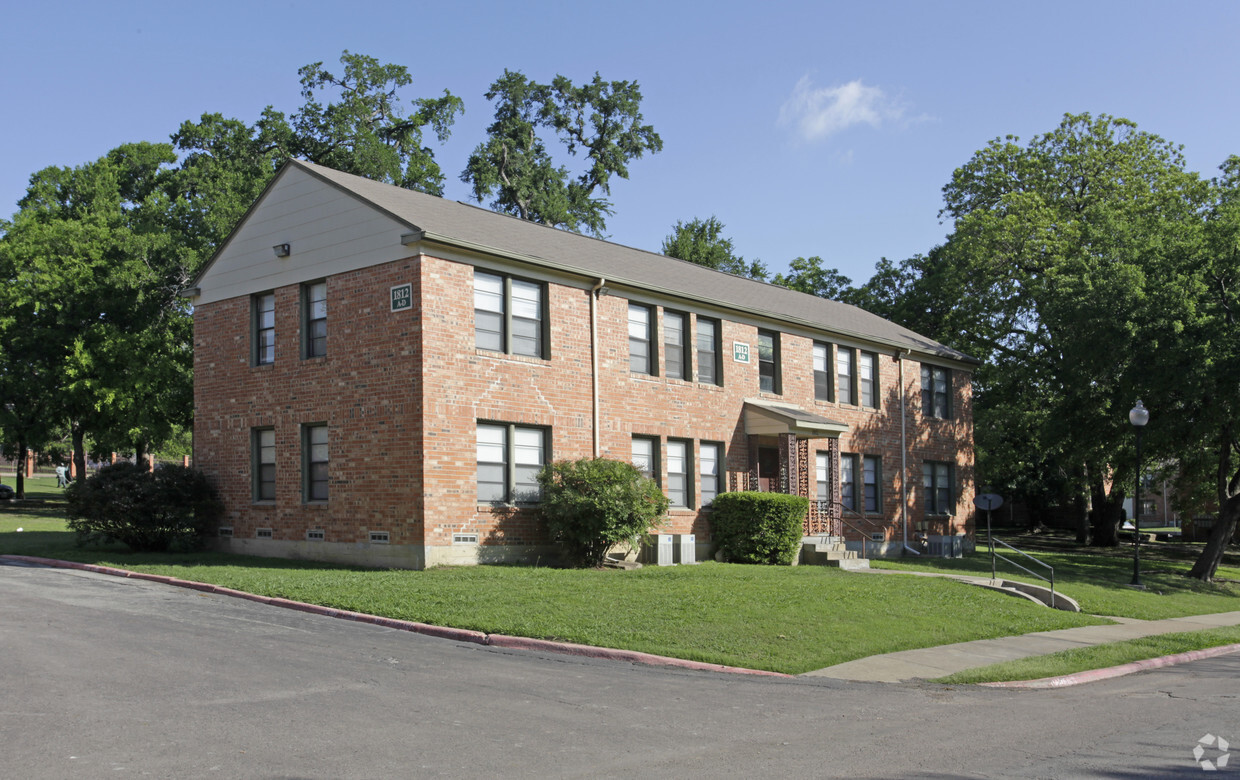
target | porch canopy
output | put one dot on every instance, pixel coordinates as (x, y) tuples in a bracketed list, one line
[(767, 418)]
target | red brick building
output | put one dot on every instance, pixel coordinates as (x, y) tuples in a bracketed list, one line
[(380, 373)]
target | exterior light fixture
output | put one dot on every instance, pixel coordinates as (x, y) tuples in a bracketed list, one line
[(281, 250)]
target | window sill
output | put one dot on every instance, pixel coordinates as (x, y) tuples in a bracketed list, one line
[(512, 357)]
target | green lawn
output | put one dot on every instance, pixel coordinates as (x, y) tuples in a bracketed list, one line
[(782, 619)]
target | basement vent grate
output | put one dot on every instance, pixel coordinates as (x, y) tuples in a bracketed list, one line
[(226, 530), (263, 533), (464, 538), (379, 537), (877, 536), (315, 536)]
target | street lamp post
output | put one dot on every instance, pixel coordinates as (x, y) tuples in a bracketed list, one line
[(1139, 416)]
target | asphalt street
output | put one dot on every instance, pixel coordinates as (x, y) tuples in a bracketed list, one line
[(108, 677)]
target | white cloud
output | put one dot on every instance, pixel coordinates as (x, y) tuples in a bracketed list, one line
[(818, 112)]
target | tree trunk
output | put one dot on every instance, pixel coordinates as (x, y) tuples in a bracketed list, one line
[(1080, 509), (22, 454), (1208, 562), (1106, 514), (79, 451), (139, 455)]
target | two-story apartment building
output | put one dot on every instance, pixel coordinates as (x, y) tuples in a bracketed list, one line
[(380, 374)]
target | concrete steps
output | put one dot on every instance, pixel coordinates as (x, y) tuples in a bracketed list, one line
[(830, 551)]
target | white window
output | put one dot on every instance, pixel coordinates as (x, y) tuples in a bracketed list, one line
[(708, 469), (678, 455), (509, 459)]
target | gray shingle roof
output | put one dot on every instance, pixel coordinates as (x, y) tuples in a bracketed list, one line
[(471, 226)]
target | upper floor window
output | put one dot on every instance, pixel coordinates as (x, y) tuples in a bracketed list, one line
[(314, 319), (509, 459), (675, 345), (710, 370), (822, 373), (264, 328), (845, 375), (314, 461), (768, 362), (711, 477), (937, 481), (867, 378), (936, 384), (510, 315), (641, 339)]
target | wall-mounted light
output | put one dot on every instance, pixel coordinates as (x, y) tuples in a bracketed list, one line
[(604, 291), (281, 250)]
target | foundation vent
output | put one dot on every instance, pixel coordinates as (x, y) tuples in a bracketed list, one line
[(263, 533), (226, 531), (379, 537), (316, 535), (464, 538)]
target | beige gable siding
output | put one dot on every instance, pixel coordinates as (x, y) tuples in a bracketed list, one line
[(329, 231)]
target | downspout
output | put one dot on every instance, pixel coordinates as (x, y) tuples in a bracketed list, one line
[(904, 455), (594, 295)]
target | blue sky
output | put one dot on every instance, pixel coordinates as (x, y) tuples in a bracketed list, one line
[(807, 128)]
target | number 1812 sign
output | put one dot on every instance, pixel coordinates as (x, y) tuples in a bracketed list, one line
[(402, 297)]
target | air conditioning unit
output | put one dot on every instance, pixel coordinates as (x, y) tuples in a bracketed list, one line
[(686, 548)]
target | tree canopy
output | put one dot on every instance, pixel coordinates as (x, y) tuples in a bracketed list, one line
[(702, 241)]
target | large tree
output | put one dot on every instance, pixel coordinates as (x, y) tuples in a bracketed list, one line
[(514, 168), (702, 241), (808, 275)]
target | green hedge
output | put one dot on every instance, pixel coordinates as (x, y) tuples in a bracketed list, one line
[(753, 527), (168, 509)]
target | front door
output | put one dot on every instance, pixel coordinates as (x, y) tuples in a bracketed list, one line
[(768, 469)]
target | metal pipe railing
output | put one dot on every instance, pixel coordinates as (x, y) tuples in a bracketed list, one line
[(993, 555)]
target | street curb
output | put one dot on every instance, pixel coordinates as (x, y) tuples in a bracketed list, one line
[(1094, 675), (442, 632)]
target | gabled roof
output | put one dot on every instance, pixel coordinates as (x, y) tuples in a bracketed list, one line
[(477, 229)]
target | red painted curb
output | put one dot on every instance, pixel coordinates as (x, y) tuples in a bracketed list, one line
[(1093, 675), (631, 656)]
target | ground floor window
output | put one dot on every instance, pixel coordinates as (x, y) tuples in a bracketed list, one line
[(314, 457), (646, 456), (679, 488), (264, 468), (937, 480), (509, 459), (822, 471), (708, 468), (861, 483)]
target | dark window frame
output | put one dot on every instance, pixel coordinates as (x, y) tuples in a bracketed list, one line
[(686, 474), (312, 344), (681, 351), (707, 497), (511, 465), (850, 465), (713, 375), (508, 339), (872, 380), (938, 488), (846, 387), (824, 384), (650, 340), (935, 403), (822, 476), (309, 481), (775, 372), (873, 503), (258, 346), (260, 478), (655, 470)]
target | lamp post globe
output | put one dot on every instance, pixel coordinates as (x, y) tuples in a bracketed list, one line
[(1138, 416)]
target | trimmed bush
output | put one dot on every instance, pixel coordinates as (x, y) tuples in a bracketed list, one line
[(752, 527), (165, 510), (591, 504)]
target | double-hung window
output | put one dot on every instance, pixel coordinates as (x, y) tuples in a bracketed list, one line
[(646, 456), (642, 358), (861, 483), (848, 482), (509, 459), (768, 362), (264, 329), (936, 387), (510, 315), (822, 476), (871, 479), (314, 462), (845, 375), (675, 345), (314, 319), (937, 480), (709, 458), (264, 468), (822, 372), (679, 461), (710, 370), (867, 379)]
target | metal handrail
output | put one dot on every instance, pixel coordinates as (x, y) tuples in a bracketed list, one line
[(993, 555), (864, 541)]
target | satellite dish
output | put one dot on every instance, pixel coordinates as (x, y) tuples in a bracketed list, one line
[(988, 501)]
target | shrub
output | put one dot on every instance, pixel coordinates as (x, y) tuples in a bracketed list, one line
[(168, 509), (594, 503), (753, 527)]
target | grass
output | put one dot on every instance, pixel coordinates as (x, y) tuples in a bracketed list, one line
[(789, 620), (1086, 658)]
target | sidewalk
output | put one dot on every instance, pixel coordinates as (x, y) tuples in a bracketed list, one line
[(932, 662)]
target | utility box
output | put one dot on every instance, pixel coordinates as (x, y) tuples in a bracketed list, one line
[(945, 546), (686, 548), (664, 549)]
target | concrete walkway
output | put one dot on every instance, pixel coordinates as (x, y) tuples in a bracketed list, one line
[(932, 662)]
